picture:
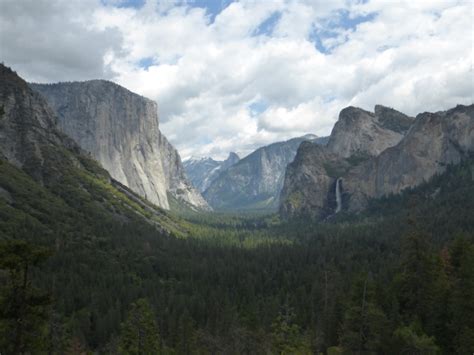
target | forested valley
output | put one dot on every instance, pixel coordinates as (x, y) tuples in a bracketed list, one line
[(397, 279), (236, 177)]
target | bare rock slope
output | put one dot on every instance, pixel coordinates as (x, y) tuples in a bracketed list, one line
[(120, 129), (435, 141), (373, 155), (255, 182), (29, 138), (363, 133)]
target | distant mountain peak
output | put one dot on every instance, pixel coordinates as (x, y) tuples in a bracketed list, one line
[(232, 157), (256, 180), (202, 171)]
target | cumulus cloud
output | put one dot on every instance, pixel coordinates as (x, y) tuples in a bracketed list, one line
[(51, 40), (251, 72)]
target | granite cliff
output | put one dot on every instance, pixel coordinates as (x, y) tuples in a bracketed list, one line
[(255, 181), (49, 185), (120, 129), (373, 155), (29, 138), (435, 141), (361, 133)]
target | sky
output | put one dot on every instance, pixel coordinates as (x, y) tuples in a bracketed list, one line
[(237, 75)]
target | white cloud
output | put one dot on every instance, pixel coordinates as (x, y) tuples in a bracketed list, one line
[(206, 72), (48, 40)]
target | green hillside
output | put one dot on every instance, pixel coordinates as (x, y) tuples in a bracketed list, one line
[(230, 284)]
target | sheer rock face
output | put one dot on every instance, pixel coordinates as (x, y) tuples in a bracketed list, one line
[(435, 141), (255, 181), (363, 133), (307, 183), (120, 130), (177, 182), (429, 144), (203, 171), (29, 138)]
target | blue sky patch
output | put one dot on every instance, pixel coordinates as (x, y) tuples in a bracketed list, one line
[(350, 23), (333, 28), (124, 3), (316, 38), (257, 108), (212, 7), (146, 62), (267, 26)]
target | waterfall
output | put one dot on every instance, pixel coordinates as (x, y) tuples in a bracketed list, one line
[(338, 195)]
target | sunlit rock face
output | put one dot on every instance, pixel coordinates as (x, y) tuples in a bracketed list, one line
[(120, 129), (255, 182), (435, 141), (373, 155), (363, 133)]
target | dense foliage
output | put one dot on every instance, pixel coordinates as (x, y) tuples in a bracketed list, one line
[(397, 279)]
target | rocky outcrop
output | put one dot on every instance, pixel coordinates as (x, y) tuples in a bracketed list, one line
[(29, 138), (255, 181), (435, 141), (203, 171), (362, 133), (63, 186), (427, 146), (178, 185), (307, 183), (120, 129)]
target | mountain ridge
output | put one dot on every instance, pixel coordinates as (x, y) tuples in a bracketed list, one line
[(121, 130), (49, 180), (431, 142), (365, 133), (254, 183), (203, 171)]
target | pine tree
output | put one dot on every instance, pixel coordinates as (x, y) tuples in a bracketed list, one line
[(23, 308), (139, 334), (422, 285), (287, 336), (186, 341), (461, 303), (412, 340), (365, 326)]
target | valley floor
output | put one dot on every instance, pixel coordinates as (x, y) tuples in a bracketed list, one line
[(398, 278)]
